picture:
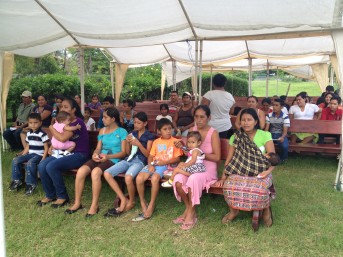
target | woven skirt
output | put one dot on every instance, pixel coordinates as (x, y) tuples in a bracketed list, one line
[(247, 193)]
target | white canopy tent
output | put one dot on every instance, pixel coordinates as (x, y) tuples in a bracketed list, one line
[(143, 32)]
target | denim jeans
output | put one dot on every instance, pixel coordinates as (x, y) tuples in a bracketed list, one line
[(32, 160), (50, 172), (13, 138), (282, 146), (132, 167)]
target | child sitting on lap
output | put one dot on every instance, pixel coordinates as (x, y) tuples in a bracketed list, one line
[(62, 124), (194, 162), (35, 150)]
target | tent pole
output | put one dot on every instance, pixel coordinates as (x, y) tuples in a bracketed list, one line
[(250, 76), (196, 68), (112, 78), (277, 81), (211, 82), (267, 79), (200, 71), (82, 78), (174, 74), (331, 74)]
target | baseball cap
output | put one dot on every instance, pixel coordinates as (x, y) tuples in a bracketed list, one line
[(26, 93)]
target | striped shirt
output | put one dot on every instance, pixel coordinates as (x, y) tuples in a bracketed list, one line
[(277, 123), (36, 141)]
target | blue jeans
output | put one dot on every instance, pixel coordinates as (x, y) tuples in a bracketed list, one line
[(50, 172), (32, 160), (282, 146), (13, 138), (132, 168)]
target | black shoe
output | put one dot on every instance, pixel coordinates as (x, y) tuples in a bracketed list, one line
[(88, 215), (113, 213), (69, 211), (40, 203), (15, 185), (29, 189), (59, 205)]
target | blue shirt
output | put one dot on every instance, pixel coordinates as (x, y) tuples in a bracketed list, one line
[(111, 143), (100, 122), (145, 137)]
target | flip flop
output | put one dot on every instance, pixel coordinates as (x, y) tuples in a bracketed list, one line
[(189, 225), (179, 220), (140, 217)]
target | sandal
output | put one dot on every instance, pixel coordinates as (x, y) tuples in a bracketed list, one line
[(179, 220), (114, 212), (168, 183), (189, 225), (140, 217)]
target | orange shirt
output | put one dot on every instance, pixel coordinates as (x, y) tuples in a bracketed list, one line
[(164, 149)]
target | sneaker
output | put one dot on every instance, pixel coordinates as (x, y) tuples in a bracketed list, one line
[(15, 185), (29, 189)]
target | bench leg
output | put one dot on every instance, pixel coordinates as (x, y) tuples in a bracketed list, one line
[(255, 220)]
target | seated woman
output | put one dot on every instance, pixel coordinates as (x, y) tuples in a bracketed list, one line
[(50, 169), (303, 111), (247, 175), (109, 151), (266, 105), (126, 116), (327, 97), (44, 111), (189, 188), (252, 102), (183, 119)]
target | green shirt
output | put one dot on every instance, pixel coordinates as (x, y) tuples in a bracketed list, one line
[(24, 112), (260, 139)]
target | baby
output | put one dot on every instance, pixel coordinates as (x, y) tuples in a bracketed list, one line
[(194, 162), (61, 125)]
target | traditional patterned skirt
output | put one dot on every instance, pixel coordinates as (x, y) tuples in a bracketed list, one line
[(247, 193)]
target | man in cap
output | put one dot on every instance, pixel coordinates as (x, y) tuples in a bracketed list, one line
[(12, 135)]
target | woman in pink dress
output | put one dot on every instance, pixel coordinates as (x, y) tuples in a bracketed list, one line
[(189, 189)]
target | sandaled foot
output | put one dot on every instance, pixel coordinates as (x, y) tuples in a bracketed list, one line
[(179, 220), (229, 217), (189, 225), (140, 217)]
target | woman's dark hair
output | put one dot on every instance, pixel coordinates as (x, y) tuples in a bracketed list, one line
[(61, 97), (164, 106), (205, 108), (88, 110), (303, 95), (329, 93), (279, 100), (141, 116), (267, 100), (43, 97), (195, 134), (252, 96), (79, 96), (113, 113), (74, 105), (253, 113), (130, 103), (163, 122)]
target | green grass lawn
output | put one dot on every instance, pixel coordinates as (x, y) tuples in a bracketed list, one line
[(307, 221), (259, 88)]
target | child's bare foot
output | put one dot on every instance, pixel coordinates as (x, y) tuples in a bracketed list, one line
[(123, 203), (144, 206), (148, 213)]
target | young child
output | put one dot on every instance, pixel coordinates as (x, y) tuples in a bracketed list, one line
[(35, 151), (95, 105), (163, 152), (62, 124), (89, 121), (274, 160), (194, 162), (141, 139), (164, 109)]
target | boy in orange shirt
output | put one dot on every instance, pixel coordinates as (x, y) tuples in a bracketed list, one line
[(162, 153)]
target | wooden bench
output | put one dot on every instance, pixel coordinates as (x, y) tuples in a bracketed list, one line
[(318, 127)]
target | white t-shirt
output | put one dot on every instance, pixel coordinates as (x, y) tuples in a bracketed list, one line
[(307, 114), (89, 123), (158, 117), (220, 104)]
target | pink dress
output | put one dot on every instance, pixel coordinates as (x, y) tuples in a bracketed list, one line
[(197, 182)]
